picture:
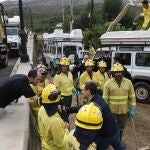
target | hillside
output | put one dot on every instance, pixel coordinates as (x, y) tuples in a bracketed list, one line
[(43, 6)]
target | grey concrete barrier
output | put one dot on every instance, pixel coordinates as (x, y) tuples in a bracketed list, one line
[(15, 125)]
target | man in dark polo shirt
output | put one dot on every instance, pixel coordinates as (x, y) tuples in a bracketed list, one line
[(16, 86)]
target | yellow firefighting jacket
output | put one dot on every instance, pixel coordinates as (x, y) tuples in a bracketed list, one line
[(75, 145), (146, 15), (120, 98), (91, 52), (103, 78), (52, 130), (64, 82), (37, 90), (86, 78)]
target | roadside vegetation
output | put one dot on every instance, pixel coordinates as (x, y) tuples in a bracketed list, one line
[(103, 14)]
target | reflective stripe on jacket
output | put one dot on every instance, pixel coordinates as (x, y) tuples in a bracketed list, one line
[(120, 98), (65, 83), (52, 130)]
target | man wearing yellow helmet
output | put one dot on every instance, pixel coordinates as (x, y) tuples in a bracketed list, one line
[(88, 75), (108, 133), (119, 94), (88, 121), (102, 74), (52, 128), (64, 81)]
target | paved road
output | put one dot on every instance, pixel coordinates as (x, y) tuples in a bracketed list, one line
[(5, 72)]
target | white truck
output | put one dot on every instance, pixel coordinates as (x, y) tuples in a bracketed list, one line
[(13, 38), (133, 47), (59, 44)]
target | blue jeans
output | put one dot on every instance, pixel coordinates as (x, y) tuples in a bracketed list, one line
[(103, 143)]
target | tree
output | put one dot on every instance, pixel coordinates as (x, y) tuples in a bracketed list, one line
[(111, 9)]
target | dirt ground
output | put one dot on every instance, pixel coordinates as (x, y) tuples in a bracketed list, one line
[(142, 124)]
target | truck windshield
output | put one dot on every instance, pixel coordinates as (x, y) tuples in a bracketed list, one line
[(68, 50), (11, 31)]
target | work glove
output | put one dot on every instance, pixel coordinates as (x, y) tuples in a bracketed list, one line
[(76, 91), (132, 111)]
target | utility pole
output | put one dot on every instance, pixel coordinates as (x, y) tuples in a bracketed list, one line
[(63, 13), (71, 15), (24, 56), (91, 13)]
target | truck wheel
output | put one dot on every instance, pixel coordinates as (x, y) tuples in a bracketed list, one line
[(142, 91)]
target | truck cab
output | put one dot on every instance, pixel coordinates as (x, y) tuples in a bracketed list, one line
[(13, 38), (59, 44)]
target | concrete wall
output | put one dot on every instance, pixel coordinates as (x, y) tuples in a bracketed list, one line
[(16, 126)]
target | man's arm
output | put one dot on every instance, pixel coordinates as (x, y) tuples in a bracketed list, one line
[(73, 109)]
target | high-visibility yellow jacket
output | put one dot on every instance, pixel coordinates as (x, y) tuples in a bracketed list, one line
[(64, 82), (146, 15), (38, 91), (53, 132), (119, 98), (91, 52), (40, 86), (75, 145), (86, 78), (103, 78)]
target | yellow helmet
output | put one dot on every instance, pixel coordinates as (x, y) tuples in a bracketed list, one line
[(50, 94), (102, 64), (117, 67), (42, 69), (89, 117), (89, 63), (64, 61)]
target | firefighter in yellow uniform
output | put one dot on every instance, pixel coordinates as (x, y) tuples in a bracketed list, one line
[(39, 87), (120, 96), (88, 121), (91, 51), (145, 15), (88, 75), (64, 81), (52, 128), (102, 74)]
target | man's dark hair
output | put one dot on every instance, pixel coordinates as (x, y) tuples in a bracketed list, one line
[(32, 73), (92, 87), (117, 58), (145, 2)]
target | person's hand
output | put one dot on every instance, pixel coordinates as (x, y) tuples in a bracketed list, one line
[(34, 98), (67, 126), (76, 91), (61, 109), (132, 111)]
